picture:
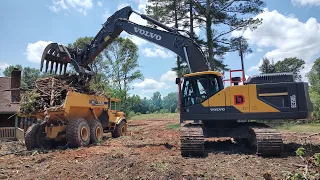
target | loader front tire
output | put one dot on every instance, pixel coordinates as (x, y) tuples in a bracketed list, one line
[(96, 131), (78, 133), (30, 137), (120, 130), (41, 139)]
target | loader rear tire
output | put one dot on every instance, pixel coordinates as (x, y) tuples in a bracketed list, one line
[(120, 130), (30, 137), (96, 131), (78, 133)]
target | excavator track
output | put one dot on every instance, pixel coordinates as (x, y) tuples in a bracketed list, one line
[(192, 140), (268, 141)]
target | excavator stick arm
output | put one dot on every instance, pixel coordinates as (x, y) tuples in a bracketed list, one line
[(170, 39), (181, 45)]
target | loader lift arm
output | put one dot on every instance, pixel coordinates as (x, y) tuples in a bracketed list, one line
[(185, 47)]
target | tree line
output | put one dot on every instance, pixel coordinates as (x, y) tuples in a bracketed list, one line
[(156, 104)]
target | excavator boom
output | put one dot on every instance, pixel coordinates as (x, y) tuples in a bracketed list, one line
[(60, 56)]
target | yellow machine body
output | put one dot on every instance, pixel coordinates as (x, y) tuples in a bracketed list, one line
[(204, 97)]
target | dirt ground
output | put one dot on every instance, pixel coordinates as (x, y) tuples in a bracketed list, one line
[(151, 151)]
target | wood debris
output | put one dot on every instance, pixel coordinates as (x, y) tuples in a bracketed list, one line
[(51, 92)]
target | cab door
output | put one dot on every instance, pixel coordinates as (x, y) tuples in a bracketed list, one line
[(217, 97), (194, 98), (112, 111)]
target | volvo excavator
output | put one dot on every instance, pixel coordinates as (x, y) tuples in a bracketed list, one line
[(207, 108)]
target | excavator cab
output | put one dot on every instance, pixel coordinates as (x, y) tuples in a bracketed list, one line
[(196, 90)]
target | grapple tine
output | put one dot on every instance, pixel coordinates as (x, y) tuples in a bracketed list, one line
[(51, 67), (65, 68), (44, 54), (56, 68), (47, 65), (60, 68)]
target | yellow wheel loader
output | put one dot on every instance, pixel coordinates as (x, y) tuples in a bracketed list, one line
[(80, 120), (212, 109)]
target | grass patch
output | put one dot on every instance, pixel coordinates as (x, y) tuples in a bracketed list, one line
[(312, 128), (174, 126), (154, 116)]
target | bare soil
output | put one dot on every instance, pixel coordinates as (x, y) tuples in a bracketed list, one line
[(151, 151)]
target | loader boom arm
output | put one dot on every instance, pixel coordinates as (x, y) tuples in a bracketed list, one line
[(185, 47)]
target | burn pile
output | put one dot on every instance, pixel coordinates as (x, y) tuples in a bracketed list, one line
[(50, 92)]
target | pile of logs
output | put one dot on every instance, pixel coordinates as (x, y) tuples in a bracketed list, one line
[(50, 92)]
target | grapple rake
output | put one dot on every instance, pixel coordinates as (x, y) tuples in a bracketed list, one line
[(58, 56)]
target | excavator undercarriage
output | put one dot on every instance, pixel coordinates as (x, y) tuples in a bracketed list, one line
[(265, 140)]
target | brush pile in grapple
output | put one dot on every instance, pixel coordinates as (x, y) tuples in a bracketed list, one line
[(50, 92)]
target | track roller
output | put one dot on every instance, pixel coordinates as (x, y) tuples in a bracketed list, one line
[(192, 140), (268, 141)]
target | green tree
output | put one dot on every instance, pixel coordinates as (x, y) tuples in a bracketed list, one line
[(145, 103), (122, 59), (135, 104), (170, 12), (156, 104), (170, 102), (267, 67), (314, 80), (225, 13), (29, 77), (7, 71), (293, 65), (99, 66)]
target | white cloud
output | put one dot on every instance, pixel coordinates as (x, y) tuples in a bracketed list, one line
[(253, 68), (259, 50), (3, 65), (306, 2), (100, 4), (122, 5), (293, 39), (136, 19), (169, 76), (34, 50), (150, 85), (157, 52), (141, 4), (248, 56), (80, 5), (106, 15)]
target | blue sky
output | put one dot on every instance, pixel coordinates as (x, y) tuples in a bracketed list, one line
[(290, 28)]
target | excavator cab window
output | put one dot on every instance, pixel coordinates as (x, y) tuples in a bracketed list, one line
[(198, 89)]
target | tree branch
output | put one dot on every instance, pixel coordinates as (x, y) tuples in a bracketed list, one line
[(220, 10), (227, 32)]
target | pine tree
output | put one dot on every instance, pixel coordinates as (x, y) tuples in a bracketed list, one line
[(170, 12), (224, 13), (267, 67)]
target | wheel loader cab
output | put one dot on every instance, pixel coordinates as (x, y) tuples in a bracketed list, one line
[(197, 88), (114, 111)]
